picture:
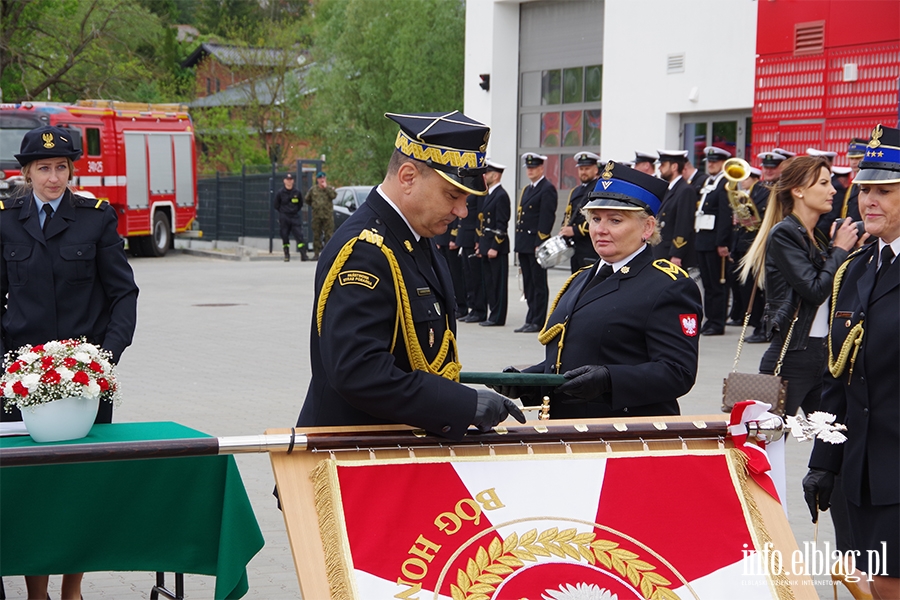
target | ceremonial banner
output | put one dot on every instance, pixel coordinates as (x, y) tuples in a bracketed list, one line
[(590, 526)]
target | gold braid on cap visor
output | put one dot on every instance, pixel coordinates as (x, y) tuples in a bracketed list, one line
[(445, 160)]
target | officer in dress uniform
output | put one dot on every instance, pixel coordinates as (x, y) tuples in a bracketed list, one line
[(712, 239), (493, 245), (676, 215), (624, 331), (383, 336), (63, 274), (862, 385), (534, 225), (63, 269), (645, 162), (575, 227), (467, 239)]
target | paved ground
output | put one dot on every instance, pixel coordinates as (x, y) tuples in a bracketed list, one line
[(221, 346)]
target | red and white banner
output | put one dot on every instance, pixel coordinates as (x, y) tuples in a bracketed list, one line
[(658, 526)]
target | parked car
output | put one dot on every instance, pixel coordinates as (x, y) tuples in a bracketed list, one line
[(348, 199)]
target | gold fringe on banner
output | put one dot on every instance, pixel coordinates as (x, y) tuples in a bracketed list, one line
[(779, 579), (328, 503)]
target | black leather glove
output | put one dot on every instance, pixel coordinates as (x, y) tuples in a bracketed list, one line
[(817, 487), (585, 383), (492, 409), (510, 391)]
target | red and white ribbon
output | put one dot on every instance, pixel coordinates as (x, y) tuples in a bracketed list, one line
[(758, 465)]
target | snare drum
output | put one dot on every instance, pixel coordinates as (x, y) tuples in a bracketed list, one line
[(554, 251)]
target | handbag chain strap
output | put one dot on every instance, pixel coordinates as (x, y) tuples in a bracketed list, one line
[(787, 338)]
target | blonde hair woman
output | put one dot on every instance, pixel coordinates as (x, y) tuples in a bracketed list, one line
[(796, 264), (623, 332)]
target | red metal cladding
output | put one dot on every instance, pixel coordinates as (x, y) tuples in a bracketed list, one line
[(804, 101)]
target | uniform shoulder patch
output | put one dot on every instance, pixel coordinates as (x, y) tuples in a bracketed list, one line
[(358, 278), (371, 236), (679, 242), (670, 269)]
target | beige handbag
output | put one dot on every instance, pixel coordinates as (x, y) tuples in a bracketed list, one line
[(757, 386)]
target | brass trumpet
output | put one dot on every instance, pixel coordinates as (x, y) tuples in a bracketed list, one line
[(745, 211)]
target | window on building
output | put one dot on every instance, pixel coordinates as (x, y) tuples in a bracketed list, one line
[(208, 85), (593, 83), (573, 85), (551, 87), (93, 141), (573, 124), (218, 86)]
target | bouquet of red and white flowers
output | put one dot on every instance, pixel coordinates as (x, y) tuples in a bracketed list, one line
[(34, 375)]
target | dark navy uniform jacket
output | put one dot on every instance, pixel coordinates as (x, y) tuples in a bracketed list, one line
[(868, 400), (288, 202), (581, 238), (536, 215), (466, 234), (676, 222), (361, 368), (76, 282), (495, 223), (716, 203), (642, 323)]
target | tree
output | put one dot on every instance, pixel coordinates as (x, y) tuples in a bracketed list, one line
[(372, 57), (76, 48), (231, 140)]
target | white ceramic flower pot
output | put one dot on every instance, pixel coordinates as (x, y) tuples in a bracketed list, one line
[(63, 419)]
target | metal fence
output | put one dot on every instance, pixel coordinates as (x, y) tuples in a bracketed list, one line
[(238, 205)]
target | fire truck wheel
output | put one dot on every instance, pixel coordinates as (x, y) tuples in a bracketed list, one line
[(157, 244), (136, 246)]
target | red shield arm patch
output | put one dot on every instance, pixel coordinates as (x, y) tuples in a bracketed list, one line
[(688, 324)]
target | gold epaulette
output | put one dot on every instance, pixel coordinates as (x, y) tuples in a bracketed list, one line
[(100, 202), (836, 365), (2, 206), (371, 236), (669, 268)]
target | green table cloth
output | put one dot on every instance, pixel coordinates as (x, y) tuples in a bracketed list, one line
[(182, 515)]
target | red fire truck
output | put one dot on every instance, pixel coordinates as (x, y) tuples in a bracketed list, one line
[(139, 157)]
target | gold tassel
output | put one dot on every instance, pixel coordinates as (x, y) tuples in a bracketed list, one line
[(327, 503), (780, 580)]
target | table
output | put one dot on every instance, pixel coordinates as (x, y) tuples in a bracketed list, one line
[(183, 515)]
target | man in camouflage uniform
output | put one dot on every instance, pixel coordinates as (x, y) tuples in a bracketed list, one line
[(320, 197)]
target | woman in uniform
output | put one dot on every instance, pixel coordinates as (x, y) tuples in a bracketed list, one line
[(63, 272), (624, 331), (797, 264), (862, 383)]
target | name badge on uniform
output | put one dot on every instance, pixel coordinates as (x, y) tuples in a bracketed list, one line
[(295, 200), (423, 291), (704, 222)]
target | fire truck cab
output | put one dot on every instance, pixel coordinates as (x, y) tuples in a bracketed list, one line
[(141, 158)]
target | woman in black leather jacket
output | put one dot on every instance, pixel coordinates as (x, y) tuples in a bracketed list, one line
[(797, 265)]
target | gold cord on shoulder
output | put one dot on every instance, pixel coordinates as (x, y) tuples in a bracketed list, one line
[(853, 342), (559, 329), (403, 322)]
